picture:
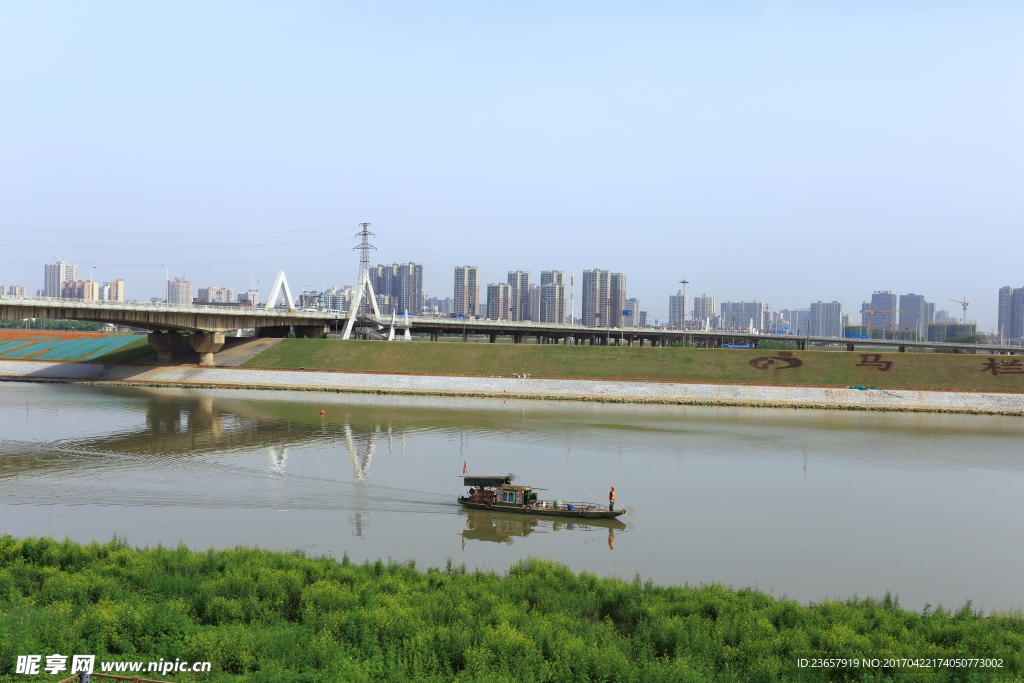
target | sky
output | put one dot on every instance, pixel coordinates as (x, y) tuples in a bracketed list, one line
[(787, 152)]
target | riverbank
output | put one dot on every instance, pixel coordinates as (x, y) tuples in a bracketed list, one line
[(882, 368), (679, 393), (276, 616)]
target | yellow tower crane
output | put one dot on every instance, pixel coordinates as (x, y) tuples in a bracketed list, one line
[(965, 305)]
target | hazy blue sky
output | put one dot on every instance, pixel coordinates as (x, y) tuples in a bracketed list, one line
[(783, 151)]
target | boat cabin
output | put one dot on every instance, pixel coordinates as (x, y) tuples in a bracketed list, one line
[(498, 491)]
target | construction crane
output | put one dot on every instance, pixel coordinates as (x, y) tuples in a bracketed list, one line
[(965, 305)]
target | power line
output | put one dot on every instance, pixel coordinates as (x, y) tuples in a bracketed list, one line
[(176, 233), (200, 263), (25, 243)]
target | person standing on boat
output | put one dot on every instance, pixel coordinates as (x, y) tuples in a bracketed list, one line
[(611, 499)]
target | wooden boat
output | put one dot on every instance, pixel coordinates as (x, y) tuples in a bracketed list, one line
[(501, 495)]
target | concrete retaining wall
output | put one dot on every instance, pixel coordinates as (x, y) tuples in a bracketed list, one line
[(558, 389)]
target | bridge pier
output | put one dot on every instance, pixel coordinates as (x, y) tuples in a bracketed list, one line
[(903, 349), (433, 335), (849, 347), (164, 344), (517, 338), (494, 337), (206, 344)]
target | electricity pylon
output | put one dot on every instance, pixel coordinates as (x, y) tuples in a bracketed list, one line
[(365, 288)]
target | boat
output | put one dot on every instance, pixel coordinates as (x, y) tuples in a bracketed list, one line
[(499, 494)]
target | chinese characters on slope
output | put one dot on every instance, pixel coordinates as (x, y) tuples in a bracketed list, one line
[(786, 360)]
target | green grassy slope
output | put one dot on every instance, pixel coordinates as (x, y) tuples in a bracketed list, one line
[(823, 368), (279, 617)]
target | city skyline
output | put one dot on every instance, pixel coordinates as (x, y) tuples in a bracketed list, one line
[(401, 290)]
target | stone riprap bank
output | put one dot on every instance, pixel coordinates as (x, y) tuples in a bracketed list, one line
[(558, 389)]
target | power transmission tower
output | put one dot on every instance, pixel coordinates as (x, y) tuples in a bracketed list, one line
[(365, 288)]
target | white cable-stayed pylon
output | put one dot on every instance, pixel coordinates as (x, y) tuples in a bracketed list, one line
[(365, 288), (280, 284)]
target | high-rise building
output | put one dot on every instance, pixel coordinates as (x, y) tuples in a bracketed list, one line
[(882, 314), (499, 301), (677, 305), (617, 292), (55, 274), (743, 314), (434, 304), (915, 315), (179, 292), (1011, 314), (825, 319), (595, 299), (534, 303), (16, 290), (215, 295), (519, 282), (795, 320), (632, 319), (250, 298), (552, 297), (116, 292), (645, 319), (704, 308), (86, 290), (402, 283), (466, 300), (604, 298)]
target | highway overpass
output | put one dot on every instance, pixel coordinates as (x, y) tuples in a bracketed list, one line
[(208, 323)]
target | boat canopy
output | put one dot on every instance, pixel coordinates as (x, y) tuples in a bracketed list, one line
[(484, 481)]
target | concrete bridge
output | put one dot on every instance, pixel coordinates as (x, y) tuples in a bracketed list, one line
[(208, 324)]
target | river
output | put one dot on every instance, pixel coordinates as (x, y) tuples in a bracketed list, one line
[(801, 503)]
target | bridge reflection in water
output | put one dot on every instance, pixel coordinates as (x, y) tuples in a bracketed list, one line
[(195, 448)]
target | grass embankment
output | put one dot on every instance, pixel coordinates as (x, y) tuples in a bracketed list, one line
[(819, 368), (276, 617)]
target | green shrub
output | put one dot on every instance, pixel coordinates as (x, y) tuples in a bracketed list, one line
[(273, 616)]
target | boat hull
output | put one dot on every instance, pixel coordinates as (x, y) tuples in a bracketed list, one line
[(543, 512)]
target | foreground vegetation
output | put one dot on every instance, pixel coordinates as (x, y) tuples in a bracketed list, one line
[(277, 617), (817, 368)]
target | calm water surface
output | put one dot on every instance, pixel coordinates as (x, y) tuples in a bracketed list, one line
[(809, 504)]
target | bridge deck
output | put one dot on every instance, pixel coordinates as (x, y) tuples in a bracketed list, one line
[(199, 318)]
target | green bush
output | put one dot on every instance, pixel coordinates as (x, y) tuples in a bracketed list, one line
[(273, 616)]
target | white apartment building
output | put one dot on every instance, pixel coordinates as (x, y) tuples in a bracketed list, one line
[(179, 292), (55, 274), (466, 300)]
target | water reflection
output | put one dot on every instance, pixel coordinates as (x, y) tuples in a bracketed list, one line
[(503, 527)]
